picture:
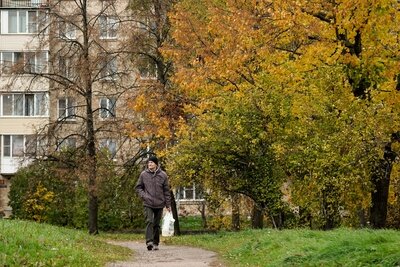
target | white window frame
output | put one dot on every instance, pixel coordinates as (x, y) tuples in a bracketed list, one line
[(108, 106), (109, 68), (111, 146), (33, 62), (147, 69), (146, 25), (69, 142), (68, 112), (25, 105), (35, 145), (66, 67), (8, 63), (12, 150), (108, 27), (183, 191), (40, 61), (30, 25), (67, 30)]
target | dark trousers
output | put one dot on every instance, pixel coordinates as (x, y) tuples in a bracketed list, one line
[(153, 218)]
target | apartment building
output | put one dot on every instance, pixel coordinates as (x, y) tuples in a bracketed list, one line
[(53, 54), (56, 59), (24, 104)]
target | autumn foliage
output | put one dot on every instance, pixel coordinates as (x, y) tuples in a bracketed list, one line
[(298, 93)]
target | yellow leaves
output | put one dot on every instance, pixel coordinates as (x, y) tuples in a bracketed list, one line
[(140, 103), (37, 205)]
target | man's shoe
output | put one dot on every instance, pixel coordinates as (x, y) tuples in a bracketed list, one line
[(155, 247), (149, 246)]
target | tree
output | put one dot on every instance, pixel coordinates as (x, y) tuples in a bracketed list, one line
[(360, 37), (157, 104), (90, 75), (229, 149), (335, 62)]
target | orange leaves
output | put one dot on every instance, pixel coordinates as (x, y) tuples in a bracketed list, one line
[(220, 46), (139, 104), (150, 120)]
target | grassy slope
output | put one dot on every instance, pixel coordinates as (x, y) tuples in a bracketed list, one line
[(341, 247), (27, 244), (31, 244)]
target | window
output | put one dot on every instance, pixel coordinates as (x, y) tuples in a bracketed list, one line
[(66, 143), (108, 27), (110, 145), (13, 145), (30, 62), (41, 105), (147, 25), (189, 193), (6, 61), (35, 62), (66, 67), (147, 68), (40, 62), (35, 145), (21, 21), (24, 104), (107, 107), (109, 68), (23, 62), (66, 108), (15, 61), (67, 30), (13, 105), (37, 3)]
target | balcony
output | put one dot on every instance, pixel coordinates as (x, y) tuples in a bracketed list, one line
[(23, 3)]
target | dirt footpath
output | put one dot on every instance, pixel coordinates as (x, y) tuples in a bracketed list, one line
[(166, 256)]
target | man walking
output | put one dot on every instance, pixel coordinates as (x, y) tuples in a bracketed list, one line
[(153, 189)]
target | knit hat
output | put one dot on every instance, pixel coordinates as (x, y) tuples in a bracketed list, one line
[(153, 159)]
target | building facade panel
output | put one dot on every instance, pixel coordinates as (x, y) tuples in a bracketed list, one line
[(11, 42), (21, 125)]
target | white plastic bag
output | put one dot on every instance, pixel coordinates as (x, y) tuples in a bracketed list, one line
[(167, 228)]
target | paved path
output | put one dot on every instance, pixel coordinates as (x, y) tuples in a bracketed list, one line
[(167, 256)]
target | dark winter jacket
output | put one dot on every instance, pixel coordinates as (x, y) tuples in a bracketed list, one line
[(153, 188)]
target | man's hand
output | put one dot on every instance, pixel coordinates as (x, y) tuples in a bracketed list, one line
[(168, 208)]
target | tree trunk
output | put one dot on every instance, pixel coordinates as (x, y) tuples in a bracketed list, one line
[(381, 177), (174, 210), (279, 220), (381, 181), (203, 215), (362, 217), (93, 199), (379, 198), (93, 208), (235, 212), (257, 218), (329, 208), (90, 128)]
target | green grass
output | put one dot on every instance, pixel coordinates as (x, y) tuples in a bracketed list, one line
[(341, 247), (190, 223), (32, 244)]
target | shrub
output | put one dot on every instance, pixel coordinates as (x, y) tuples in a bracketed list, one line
[(56, 192), (38, 204)]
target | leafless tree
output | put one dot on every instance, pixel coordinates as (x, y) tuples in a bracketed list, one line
[(83, 54)]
